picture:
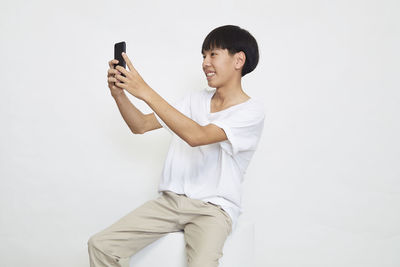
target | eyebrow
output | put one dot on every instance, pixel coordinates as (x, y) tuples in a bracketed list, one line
[(212, 50)]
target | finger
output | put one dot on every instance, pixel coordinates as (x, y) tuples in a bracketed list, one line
[(112, 80), (128, 62), (122, 70), (121, 85), (121, 78), (112, 72), (112, 62)]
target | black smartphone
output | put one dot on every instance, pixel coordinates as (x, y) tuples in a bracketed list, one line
[(118, 49)]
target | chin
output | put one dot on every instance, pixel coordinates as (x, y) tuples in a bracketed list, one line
[(212, 85)]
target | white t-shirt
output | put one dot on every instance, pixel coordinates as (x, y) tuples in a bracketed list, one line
[(214, 172)]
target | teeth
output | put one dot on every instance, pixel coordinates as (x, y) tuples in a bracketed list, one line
[(210, 74)]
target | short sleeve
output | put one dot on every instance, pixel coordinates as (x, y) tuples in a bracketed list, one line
[(182, 104), (243, 130)]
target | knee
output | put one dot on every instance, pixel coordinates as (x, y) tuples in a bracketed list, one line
[(94, 242)]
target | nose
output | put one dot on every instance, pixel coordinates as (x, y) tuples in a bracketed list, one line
[(206, 62)]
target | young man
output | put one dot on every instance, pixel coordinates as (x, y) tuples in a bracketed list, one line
[(214, 135)]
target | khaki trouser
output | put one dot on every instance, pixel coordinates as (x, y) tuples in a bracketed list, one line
[(206, 227)]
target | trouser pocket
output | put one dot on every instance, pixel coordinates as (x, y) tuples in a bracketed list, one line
[(228, 218)]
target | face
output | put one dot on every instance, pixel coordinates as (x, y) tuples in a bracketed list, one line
[(219, 67)]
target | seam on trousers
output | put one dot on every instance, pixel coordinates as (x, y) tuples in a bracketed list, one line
[(116, 259)]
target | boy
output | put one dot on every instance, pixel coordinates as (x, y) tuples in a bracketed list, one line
[(214, 135)]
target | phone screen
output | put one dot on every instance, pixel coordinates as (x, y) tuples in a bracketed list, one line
[(118, 49)]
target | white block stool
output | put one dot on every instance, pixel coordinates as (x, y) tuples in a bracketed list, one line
[(169, 251)]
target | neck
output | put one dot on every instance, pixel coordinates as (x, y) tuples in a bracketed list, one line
[(229, 94)]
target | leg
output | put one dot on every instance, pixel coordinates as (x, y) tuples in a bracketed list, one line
[(114, 245), (205, 236)]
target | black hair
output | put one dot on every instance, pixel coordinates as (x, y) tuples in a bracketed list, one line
[(235, 39)]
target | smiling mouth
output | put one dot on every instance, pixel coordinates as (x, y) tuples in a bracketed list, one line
[(210, 75)]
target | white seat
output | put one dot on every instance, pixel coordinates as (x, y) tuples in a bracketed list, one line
[(169, 251)]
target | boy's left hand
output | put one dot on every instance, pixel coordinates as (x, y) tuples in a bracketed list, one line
[(132, 82)]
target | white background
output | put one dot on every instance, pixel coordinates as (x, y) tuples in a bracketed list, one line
[(324, 186)]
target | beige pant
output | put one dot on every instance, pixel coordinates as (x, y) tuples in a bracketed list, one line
[(205, 226)]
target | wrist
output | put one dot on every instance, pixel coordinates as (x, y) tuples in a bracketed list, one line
[(118, 95), (149, 95)]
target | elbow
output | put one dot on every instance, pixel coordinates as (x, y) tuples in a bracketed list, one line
[(196, 139), (135, 131), (193, 142), (139, 128)]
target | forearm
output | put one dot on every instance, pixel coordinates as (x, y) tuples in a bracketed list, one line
[(184, 127), (133, 117)]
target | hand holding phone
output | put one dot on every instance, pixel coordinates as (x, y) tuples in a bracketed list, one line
[(118, 49), (132, 83)]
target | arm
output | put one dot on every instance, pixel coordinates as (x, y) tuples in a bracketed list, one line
[(134, 118), (187, 129), (138, 122), (190, 131)]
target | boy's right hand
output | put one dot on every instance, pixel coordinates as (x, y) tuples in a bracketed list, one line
[(115, 90)]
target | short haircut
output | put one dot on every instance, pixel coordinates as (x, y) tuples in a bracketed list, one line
[(235, 39)]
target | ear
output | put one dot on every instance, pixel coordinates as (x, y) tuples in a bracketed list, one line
[(240, 59)]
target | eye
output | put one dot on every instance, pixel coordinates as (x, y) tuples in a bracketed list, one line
[(212, 54)]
